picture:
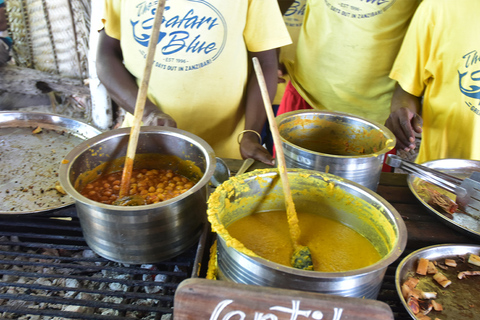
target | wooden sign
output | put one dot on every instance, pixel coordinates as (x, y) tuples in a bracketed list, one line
[(220, 300)]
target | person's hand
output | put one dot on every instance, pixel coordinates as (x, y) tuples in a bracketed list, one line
[(158, 119), (404, 124), (281, 72), (251, 148)]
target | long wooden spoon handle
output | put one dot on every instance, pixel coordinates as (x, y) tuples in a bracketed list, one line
[(140, 103), (280, 157)]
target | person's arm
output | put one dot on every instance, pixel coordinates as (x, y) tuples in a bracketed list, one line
[(3, 19), (119, 82), (404, 120), (255, 116)]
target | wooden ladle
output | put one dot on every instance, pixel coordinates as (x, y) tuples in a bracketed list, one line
[(302, 257), (124, 199)]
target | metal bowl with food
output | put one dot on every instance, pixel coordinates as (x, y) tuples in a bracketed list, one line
[(339, 143), (145, 233), (457, 298), (468, 224), (33, 144), (322, 194)]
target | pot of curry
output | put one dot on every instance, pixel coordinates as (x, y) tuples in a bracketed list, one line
[(171, 172), (339, 143), (352, 233)]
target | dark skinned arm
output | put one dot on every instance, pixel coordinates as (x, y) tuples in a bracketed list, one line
[(255, 116), (120, 84), (3, 19), (404, 120)]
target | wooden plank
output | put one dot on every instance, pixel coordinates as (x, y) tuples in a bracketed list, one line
[(396, 194), (393, 179), (34, 82), (221, 300)]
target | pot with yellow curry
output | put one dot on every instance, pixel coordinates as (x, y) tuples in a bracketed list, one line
[(353, 234), (343, 144)]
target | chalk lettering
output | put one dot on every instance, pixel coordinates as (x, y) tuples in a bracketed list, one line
[(294, 313)]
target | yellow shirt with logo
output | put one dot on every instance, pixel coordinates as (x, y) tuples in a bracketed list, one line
[(440, 59), (345, 52), (201, 61)]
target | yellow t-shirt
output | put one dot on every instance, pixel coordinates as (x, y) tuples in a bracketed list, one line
[(201, 61), (440, 58), (345, 52), (293, 18)]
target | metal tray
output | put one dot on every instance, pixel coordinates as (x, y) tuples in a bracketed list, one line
[(460, 300), (30, 161), (465, 223)]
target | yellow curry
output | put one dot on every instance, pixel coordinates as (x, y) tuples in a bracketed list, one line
[(334, 246)]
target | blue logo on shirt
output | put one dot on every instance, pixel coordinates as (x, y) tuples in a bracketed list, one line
[(192, 33), (359, 9), (469, 80)]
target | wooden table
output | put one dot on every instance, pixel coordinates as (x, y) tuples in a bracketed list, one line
[(424, 228)]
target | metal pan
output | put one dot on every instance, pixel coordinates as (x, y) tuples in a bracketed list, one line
[(466, 223), (460, 299), (30, 161)]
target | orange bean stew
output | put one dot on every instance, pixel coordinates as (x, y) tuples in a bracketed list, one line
[(153, 185)]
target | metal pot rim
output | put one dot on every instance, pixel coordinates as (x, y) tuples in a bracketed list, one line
[(397, 248), (390, 144), (70, 158)]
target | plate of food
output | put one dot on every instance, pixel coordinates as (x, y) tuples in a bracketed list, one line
[(441, 282), (441, 202), (32, 144)]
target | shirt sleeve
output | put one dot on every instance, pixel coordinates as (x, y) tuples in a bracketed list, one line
[(265, 28), (111, 18), (411, 67)]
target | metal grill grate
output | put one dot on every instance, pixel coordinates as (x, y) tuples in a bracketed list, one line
[(388, 292), (48, 272)]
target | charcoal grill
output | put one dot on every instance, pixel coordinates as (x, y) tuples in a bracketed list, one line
[(48, 272)]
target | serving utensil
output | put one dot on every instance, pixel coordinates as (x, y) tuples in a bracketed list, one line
[(302, 257), (467, 191), (124, 198)]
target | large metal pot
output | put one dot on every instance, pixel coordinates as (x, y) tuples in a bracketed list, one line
[(149, 233), (342, 144), (314, 192)]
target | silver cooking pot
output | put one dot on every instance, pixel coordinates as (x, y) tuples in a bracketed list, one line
[(148, 233), (339, 143), (314, 192)]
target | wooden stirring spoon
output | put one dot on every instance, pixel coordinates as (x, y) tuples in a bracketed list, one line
[(302, 257), (124, 199)]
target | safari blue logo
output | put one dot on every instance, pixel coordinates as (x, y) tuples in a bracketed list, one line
[(293, 17), (359, 9), (191, 36), (469, 79)]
